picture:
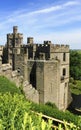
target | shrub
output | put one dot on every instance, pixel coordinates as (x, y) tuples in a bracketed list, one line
[(51, 105), (15, 114), (55, 113)]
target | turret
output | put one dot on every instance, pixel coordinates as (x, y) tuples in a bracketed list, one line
[(15, 29), (30, 40)]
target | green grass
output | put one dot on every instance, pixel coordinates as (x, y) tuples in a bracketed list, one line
[(14, 108), (15, 114), (8, 86)]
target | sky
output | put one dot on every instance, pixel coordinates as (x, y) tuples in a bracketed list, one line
[(58, 21)]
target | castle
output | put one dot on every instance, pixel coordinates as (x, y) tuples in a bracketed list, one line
[(45, 67)]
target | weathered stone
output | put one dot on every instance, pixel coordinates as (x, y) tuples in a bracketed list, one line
[(44, 67)]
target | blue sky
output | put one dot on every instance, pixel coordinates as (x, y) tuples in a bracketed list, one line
[(55, 20)]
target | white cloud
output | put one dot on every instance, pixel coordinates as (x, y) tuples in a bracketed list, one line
[(71, 3), (20, 16), (47, 10), (38, 23), (55, 8)]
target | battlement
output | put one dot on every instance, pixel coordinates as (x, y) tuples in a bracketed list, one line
[(42, 45), (59, 45), (59, 48), (15, 33), (30, 40), (10, 35), (47, 42)]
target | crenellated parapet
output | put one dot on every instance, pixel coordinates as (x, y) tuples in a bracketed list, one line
[(59, 48), (53, 47)]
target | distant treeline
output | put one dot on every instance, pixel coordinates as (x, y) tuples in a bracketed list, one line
[(75, 64)]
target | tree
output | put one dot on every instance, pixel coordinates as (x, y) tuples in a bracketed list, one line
[(75, 64)]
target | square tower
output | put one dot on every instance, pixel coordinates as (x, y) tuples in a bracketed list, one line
[(48, 81), (14, 42)]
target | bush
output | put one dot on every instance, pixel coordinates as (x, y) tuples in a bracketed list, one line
[(75, 87), (15, 114), (71, 80), (55, 113), (75, 64), (51, 105)]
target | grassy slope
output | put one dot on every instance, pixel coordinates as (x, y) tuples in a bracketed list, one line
[(8, 86)]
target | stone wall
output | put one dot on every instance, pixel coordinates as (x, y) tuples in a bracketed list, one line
[(6, 70), (48, 81), (45, 66), (1, 53), (31, 72), (30, 92)]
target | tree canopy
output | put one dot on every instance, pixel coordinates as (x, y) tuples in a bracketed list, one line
[(75, 64)]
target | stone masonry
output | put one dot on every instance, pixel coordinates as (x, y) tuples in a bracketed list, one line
[(44, 67)]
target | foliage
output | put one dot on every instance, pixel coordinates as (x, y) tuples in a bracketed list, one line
[(15, 114), (51, 105), (8, 86), (75, 64), (15, 111), (75, 86), (12, 109), (55, 113)]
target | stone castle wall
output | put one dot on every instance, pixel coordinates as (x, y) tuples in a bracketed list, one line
[(14, 76), (45, 67), (47, 83)]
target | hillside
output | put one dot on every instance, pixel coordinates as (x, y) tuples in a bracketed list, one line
[(15, 111), (8, 86)]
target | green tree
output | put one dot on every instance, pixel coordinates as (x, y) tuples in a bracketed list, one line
[(75, 64)]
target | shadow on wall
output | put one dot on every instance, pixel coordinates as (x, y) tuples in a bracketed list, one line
[(33, 76)]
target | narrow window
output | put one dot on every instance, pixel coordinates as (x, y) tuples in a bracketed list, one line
[(64, 56), (64, 72)]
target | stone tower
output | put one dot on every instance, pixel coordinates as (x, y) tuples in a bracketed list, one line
[(52, 74), (14, 42), (48, 81)]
